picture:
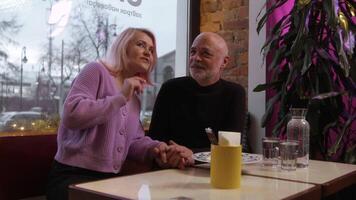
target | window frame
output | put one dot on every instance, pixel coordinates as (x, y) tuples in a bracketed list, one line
[(188, 14)]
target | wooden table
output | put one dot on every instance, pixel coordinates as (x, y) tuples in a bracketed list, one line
[(331, 176), (193, 183)]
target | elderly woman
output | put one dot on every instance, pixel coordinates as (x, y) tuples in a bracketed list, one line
[(100, 127)]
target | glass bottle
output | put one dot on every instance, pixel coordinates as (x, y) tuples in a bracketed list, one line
[(298, 129)]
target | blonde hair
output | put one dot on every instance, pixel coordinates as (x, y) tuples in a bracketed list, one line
[(116, 57)]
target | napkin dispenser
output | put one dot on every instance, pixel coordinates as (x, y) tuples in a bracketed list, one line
[(226, 161)]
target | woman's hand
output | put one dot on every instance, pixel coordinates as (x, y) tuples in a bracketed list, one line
[(160, 154), (132, 85)]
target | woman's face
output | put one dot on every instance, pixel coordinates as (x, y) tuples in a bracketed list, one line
[(140, 54)]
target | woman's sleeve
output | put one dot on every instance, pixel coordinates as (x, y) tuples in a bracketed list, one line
[(141, 147), (82, 108)]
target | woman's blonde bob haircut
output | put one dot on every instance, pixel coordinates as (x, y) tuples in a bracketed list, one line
[(116, 58)]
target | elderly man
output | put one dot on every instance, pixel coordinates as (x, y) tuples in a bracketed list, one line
[(185, 106)]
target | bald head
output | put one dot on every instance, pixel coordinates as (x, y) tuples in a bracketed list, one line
[(208, 57), (213, 40)]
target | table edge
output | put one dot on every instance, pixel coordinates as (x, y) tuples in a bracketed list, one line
[(311, 193), (339, 183), (75, 192)]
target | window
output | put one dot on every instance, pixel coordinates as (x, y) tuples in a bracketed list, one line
[(44, 44), (168, 73)]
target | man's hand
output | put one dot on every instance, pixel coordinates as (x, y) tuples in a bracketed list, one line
[(173, 156), (179, 156)]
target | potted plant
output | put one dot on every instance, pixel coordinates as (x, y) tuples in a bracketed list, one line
[(312, 54)]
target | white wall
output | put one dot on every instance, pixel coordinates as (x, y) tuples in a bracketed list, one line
[(256, 75)]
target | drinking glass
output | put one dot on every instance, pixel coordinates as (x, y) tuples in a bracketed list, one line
[(289, 154), (270, 151)]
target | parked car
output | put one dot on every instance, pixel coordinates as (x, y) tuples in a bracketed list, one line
[(36, 109), (21, 121)]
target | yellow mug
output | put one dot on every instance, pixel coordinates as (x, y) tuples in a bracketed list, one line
[(225, 166)]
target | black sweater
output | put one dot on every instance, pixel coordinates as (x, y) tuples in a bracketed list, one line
[(183, 110)]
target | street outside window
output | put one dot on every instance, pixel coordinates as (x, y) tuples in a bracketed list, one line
[(44, 44)]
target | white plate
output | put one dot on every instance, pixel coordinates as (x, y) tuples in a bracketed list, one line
[(247, 158)]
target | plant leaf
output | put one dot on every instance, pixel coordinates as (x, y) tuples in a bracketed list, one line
[(277, 127), (307, 59), (350, 156), (326, 95), (336, 146), (270, 10), (263, 87), (269, 108)]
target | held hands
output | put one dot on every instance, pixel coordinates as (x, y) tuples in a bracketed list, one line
[(179, 156), (160, 154), (174, 155)]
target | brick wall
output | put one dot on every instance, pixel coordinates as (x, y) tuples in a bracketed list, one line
[(229, 18)]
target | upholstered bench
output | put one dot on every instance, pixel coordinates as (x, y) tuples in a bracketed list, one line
[(24, 165)]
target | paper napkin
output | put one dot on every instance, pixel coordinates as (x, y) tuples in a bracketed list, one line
[(228, 138)]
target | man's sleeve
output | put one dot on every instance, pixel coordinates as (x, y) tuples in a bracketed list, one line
[(159, 127), (236, 119)]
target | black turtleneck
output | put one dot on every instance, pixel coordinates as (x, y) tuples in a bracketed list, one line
[(183, 110)]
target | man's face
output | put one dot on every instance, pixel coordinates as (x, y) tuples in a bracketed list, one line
[(207, 58)]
